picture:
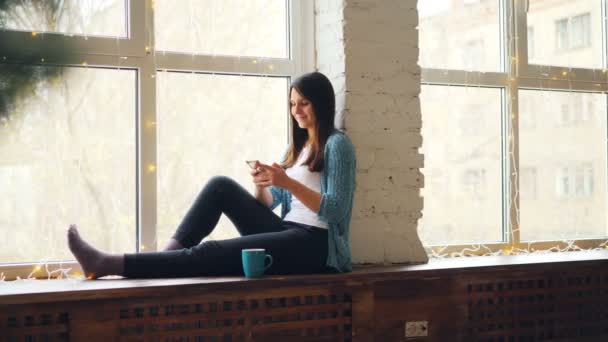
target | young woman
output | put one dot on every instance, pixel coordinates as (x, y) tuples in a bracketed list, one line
[(314, 184)]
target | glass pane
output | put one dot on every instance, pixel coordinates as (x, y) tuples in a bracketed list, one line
[(563, 165), (209, 125), (67, 155), (81, 17), (462, 35), (461, 129), (223, 27), (569, 33)]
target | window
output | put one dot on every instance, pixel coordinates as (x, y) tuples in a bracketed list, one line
[(581, 31), (471, 121), (531, 45), (470, 159), (574, 32), (474, 182), (461, 36), (574, 181), (561, 34), (530, 179), (473, 54), (80, 17), (575, 109), (528, 183), (570, 35), (118, 134)]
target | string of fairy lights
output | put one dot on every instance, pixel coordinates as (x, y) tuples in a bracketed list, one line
[(514, 247)]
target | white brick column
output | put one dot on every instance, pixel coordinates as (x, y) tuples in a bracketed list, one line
[(369, 50)]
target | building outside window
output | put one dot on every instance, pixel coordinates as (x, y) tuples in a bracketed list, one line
[(543, 108)]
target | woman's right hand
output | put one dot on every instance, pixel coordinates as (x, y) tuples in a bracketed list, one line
[(260, 179), (259, 176)]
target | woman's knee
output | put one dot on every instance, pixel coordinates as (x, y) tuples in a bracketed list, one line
[(221, 184), (220, 181)]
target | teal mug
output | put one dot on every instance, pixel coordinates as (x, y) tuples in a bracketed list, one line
[(254, 261)]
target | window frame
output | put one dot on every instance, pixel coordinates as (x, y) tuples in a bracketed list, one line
[(136, 52), (517, 74)]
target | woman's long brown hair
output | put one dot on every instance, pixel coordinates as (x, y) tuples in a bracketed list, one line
[(316, 88)]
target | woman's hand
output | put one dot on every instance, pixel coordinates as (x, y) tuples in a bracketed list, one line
[(259, 177), (270, 175)]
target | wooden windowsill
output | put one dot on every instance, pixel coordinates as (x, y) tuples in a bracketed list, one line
[(40, 291)]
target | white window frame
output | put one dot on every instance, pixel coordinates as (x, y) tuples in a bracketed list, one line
[(516, 73), (134, 52)]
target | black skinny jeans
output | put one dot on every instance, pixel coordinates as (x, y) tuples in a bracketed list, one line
[(295, 248)]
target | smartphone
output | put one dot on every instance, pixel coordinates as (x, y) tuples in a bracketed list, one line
[(251, 163)]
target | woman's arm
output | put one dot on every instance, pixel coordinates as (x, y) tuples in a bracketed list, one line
[(340, 169), (263, 195), (275, 175), (310, 198)]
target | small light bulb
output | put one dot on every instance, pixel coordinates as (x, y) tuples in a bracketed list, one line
[(255, 61), (34, 33), (151, 168), (143, 247), (37, 268), (84, 63), (564, 73), (271, 67), (147, 49), (42, 60)]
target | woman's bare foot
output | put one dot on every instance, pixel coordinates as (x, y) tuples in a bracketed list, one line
[(94, 262)]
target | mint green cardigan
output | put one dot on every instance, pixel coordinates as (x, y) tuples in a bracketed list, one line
[(337, 192)]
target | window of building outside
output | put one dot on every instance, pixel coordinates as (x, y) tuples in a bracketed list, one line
[(538, 164), (530, 42), (102, 128), (573, 32)]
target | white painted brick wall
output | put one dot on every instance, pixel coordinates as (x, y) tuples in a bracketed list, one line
[(369, 50)]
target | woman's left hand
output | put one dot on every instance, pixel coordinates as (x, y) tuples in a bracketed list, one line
[(275, 175)]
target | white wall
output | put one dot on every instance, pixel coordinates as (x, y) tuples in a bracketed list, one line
[(369, 50)]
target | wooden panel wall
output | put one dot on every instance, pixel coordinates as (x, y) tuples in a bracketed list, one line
[(497, 306), (548, 302)]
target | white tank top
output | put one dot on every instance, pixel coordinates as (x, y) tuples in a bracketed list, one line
[(299, 212)]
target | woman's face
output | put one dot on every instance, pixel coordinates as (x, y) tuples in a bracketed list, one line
[(302, 110)]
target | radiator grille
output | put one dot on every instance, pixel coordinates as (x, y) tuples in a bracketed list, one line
[(555, 307), (35, 326), (304, 317)]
